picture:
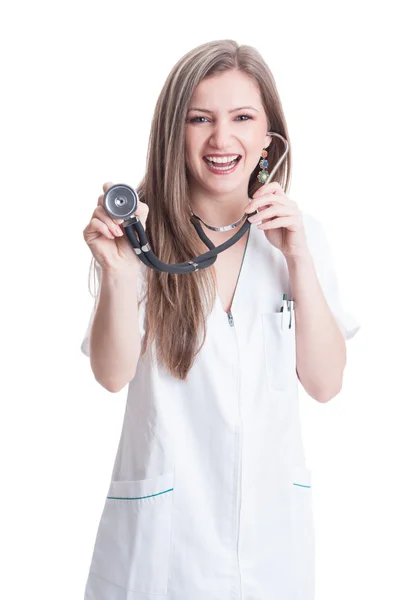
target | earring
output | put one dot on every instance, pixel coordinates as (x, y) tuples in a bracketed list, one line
[(263, 175)]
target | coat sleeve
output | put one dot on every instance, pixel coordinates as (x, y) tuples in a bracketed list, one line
[(325, 268), (85, 349)]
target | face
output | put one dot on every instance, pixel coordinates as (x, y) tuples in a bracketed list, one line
[(225, 133)]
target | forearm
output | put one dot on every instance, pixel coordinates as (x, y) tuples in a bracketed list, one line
[(320, 345), (115, 339)]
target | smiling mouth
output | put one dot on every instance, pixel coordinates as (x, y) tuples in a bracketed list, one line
[(222, 164)]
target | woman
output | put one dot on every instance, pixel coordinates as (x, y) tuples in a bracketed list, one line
[(210, 498)]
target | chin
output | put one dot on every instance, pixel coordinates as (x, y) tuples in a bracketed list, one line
[(226, 187)]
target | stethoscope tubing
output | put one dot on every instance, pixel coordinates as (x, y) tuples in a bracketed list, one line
[(136, 234), (203, 261)]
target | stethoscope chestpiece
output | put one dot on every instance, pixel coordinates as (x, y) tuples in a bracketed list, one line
[(120, 201)]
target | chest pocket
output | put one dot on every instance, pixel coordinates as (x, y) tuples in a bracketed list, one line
[(279, 350)]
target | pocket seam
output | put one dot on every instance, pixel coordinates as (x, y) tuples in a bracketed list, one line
[(140, 488), (301, 477)]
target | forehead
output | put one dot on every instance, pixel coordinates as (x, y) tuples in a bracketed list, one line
[(227, 90)]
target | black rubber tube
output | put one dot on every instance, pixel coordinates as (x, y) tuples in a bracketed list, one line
[(200, 262)]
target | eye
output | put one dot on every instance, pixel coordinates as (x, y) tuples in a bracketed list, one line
[(206, 119), (197, 120)]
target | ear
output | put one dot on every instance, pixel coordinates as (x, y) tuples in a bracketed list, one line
[(267, 141)]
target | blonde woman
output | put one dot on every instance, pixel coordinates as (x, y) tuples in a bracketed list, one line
[(210, 496)]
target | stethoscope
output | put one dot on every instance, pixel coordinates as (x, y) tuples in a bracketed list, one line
[(121, 202)]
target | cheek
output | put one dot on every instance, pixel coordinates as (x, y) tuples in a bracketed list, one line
[(190, 161), (188, 152), (191, 147), (193, 152), (253, 156), (254, 145)]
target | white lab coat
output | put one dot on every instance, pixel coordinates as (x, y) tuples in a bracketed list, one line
[(210, 497)]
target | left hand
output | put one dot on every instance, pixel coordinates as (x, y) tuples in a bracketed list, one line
[(281, 220)]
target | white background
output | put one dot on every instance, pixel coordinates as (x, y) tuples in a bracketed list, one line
[(80, 81)]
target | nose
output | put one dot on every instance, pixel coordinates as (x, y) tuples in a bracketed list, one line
[(221, 135)]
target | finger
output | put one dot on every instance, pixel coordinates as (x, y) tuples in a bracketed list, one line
[(272, 212), (264, 207), (264, 200), (107, 185), (277, 223), (101, 214), (271, 194), (269, 188), (142, 212), (261, 216), (98, 226), (111, 223)]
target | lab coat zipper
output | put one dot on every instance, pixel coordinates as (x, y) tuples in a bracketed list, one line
[(229, 314), (231, 323)]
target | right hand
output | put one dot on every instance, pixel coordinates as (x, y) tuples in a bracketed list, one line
[(107, 240)]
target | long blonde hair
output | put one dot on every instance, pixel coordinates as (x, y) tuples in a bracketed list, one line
[(177, 306)]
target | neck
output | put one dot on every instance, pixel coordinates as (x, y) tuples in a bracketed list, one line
[(219, 210)]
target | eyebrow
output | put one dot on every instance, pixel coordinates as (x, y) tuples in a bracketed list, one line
[(230, 111)]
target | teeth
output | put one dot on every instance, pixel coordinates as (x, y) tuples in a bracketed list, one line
[(223, 159), (222, 168)]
